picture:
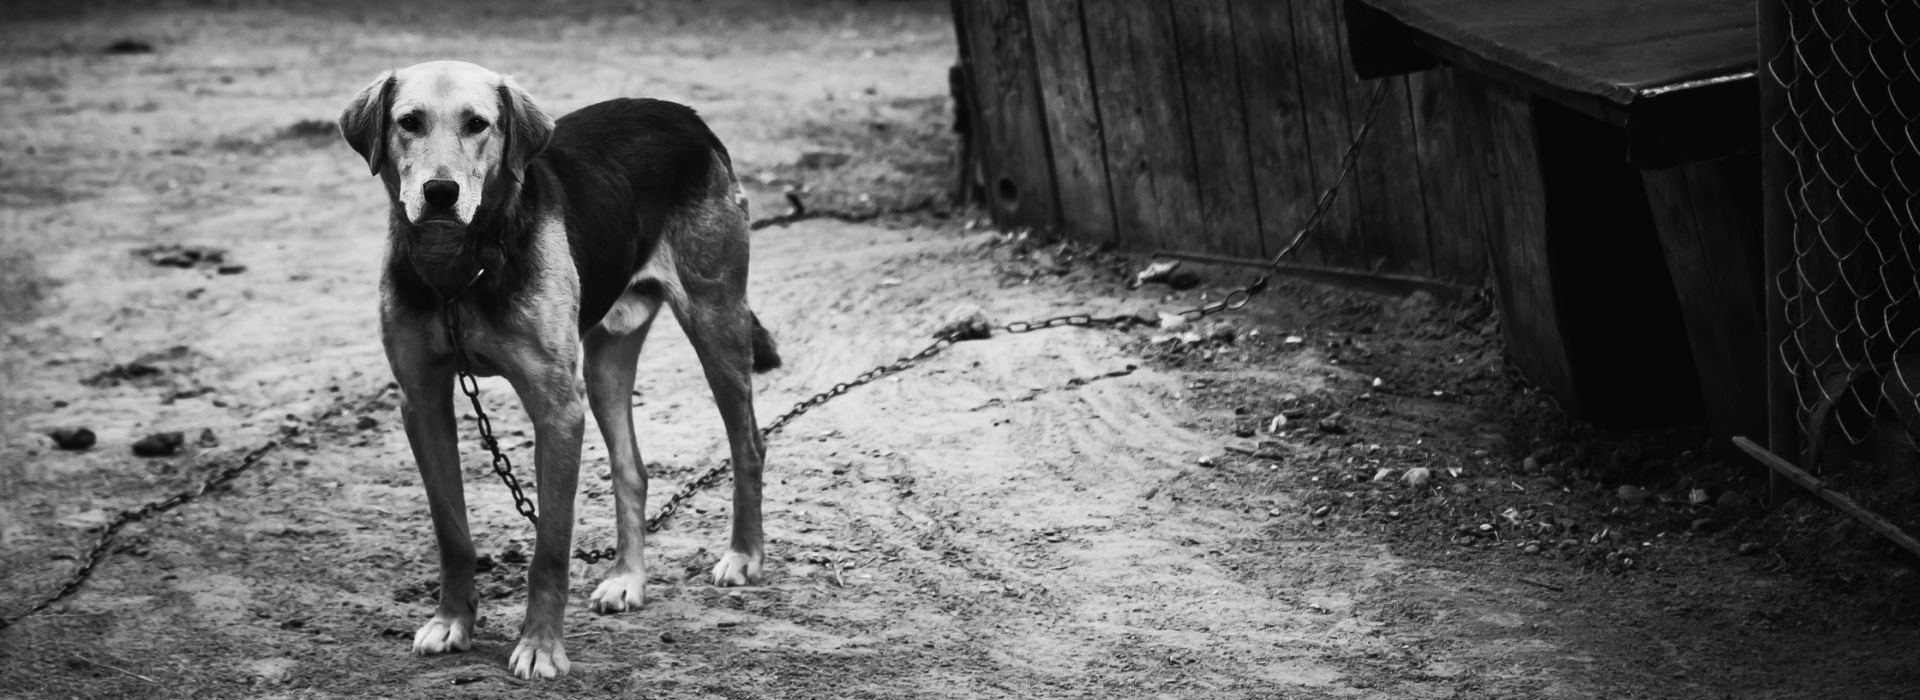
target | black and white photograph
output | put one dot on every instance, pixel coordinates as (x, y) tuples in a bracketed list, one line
[(784, 349)]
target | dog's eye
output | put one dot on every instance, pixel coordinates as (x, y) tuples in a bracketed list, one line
[(476, 125), (409, 122)]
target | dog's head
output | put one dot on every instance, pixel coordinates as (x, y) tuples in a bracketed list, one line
[(443, 133)]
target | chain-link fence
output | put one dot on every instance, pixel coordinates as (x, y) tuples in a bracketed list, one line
[(1841, 94)]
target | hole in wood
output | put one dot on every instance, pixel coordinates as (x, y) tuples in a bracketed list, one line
[(1007, 193)]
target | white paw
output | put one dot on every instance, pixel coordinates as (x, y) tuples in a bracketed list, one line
[(737, 569), (539, 659), (443, 634), (620, 593)]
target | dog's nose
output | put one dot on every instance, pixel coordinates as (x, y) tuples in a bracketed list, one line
[(441, 193)]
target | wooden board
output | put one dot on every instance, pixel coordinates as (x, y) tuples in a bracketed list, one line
[(1515, 200), (1390, 211), (1450, 180), (1073, 120), (1276, 122), (1149, 156), (1011, 125), (1707, 215), (1217, 130), (1614, 50), (1320, 48), (1678, 74)]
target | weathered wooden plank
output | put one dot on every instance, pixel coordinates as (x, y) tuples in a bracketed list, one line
[(1515, 200), (1217, 126), (1450, 180), (1073, 120), (1150, 162), (1276, 119), (1320, 49), (1391, 214), (1707, 218), (1012, 132)]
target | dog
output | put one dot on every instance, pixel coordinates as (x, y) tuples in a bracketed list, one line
[(552, 239)]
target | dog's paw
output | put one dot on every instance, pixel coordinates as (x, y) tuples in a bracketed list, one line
[(737, 569), (443, 634), (620, 592), (539, 659)]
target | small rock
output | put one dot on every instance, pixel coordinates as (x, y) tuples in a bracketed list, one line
[(1705, 525), (666, 638), (1529, 465), (1278, 422), (1633, 494), (366, 423), (160, 444), (1156, 272), (1377, 382), (1204, 461), (129, 46), (207, 439), (231, 268), (817, 160), (1733, 505), (71, 438), (1748, 549), (1383, 475), (966, 322), (1322, 511), (1334, 425), (1171, 321), (1532, 549), (1697, 496), (1417, 476)]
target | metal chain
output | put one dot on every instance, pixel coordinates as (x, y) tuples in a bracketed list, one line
[(800, 212), (943, 339), (133, 515)]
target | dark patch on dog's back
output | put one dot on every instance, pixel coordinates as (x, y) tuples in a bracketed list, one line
[(619, 162)]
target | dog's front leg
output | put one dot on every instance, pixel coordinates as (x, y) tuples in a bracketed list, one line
[(545, 384), (426, 408)]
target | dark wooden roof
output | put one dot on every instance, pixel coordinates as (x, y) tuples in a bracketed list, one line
[(1677, 74)]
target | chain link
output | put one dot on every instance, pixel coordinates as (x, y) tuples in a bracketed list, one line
[(132, 515)]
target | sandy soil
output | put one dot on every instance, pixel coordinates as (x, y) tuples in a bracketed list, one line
[(1072, 513)]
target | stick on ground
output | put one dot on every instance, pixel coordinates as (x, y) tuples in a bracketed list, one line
[(1839, 500)]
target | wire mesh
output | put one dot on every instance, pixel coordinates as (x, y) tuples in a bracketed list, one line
[(1847, 73)]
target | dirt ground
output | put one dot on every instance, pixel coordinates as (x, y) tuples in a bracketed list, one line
[(1067, 513)]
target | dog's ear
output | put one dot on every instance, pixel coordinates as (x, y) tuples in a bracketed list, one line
[(366, 121), (526, 128)]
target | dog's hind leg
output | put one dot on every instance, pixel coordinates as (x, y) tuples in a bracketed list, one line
[(721, 328), (707, 288), (612, 349)]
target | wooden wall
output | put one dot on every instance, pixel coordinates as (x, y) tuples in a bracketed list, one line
[(1212, 126)]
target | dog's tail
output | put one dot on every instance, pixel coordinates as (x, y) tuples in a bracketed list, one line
[(765, 355)]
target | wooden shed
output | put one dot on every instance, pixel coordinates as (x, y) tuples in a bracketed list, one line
[(1592, 189)]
